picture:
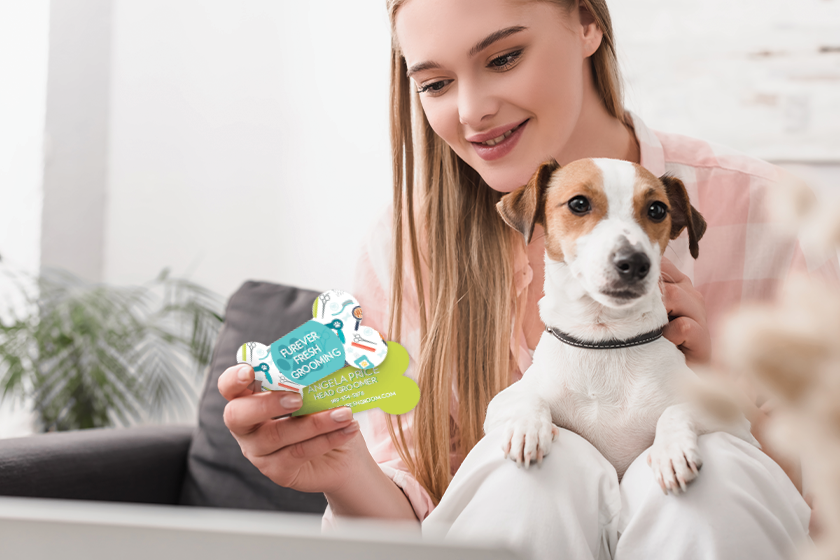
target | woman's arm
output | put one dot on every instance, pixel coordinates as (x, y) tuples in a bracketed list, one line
[(369, 492)]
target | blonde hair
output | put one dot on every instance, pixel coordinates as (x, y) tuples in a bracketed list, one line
[(468, 307)]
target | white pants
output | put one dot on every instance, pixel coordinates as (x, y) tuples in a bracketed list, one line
[(740, 506)]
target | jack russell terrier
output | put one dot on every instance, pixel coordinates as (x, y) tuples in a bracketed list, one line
[(601, 368)]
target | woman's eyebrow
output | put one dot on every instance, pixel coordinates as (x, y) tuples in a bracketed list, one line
[(495, 36), (480, 46), (429, 64)]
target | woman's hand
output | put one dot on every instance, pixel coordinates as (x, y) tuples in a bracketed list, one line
[(313, 453), (321, 452), (687, 326)]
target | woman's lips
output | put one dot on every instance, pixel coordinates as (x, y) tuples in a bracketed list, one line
[(502, 147)]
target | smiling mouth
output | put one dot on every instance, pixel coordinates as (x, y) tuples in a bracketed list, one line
[(501, 138)]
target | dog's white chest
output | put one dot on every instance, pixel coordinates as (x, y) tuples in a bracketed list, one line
[(613, 398)]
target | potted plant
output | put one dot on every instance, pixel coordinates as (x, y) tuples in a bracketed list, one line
[(93, 355)]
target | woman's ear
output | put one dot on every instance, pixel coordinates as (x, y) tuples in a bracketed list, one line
[(683, 214), (525, 207), (592, 32)]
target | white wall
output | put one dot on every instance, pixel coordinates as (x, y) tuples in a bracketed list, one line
[(23, 85), (76, 134), (762, 76), (23, 74), (247, 140)]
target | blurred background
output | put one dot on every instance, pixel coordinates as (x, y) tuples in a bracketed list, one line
[(207, 136)]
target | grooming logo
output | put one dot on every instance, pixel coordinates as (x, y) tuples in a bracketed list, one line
[(302, 350), (308, 353)]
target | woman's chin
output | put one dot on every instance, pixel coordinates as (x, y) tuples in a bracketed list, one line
[(505, 181)]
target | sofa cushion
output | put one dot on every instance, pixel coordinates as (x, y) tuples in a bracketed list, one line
[(218, 475), (144, 464)]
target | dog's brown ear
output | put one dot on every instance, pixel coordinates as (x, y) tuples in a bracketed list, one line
[(683, 214), (524, 207)]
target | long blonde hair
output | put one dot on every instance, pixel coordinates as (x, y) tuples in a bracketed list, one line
[(468, 307)]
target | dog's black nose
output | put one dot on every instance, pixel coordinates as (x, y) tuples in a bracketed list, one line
[(631, 265)]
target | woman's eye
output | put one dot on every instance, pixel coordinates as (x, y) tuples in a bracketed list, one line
[(505, 61), (657, 211), (433, 87), (579, 205)]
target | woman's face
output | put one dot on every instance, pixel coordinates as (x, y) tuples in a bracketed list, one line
[(501, 81)]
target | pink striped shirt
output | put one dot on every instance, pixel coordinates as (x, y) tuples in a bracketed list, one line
[(742, 258)]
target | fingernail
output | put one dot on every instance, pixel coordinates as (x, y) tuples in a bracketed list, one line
[(352, 428), (244, 373), (291, 401), (341, 414)]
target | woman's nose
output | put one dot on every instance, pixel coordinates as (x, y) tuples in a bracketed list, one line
[(476, 105)]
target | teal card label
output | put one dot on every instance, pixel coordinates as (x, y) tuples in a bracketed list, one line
[(309, 353)]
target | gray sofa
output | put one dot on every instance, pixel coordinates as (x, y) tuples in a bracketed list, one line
[(200, 466)]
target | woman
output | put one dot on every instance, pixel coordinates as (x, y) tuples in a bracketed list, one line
[(504, 85)]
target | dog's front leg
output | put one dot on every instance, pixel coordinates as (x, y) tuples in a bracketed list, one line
[(526, 417), (675, 457)]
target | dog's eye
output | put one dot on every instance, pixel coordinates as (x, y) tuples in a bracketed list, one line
[(657, 211), (579, 205)]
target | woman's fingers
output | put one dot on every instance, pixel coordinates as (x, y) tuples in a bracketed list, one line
[(276, 435), (684, 301), (286, 462), (690, 337), (245, 414), (318, 445), (671, 273), (687, 310), (681, 298), (236, 381)]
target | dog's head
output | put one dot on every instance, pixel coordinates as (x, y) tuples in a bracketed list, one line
[(609, 220)]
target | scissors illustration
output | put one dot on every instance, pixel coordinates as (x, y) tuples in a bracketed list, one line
[(358, 340), (250, 350), (325, 297)]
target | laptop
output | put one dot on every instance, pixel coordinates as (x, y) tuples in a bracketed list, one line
[(35, 529)]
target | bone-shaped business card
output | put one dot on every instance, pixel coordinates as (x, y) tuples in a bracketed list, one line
[(383, 386), (317, 348)]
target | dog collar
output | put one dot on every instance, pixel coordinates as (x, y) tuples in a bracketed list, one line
[(609, 344)]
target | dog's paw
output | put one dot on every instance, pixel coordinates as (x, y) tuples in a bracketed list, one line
[(675, 461), (527, 440)]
